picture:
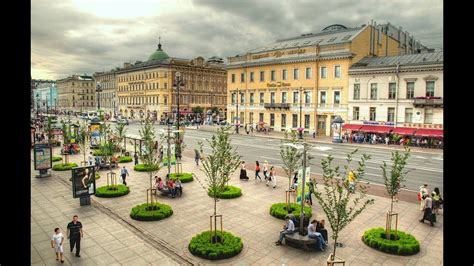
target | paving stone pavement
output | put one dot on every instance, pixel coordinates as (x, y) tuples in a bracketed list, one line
[(247, 217)]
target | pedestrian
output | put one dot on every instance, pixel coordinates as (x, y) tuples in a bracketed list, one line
[(351, 179), (294, 182), (124, 173), (312, 233), (386, 140), (311, 190), (324, 232), (136, 158), (161, 153), (97, 163), (171, 188), (257, 171), (243, 171), (178, 187), (91, 159), (247, 129), (314, 133), (265, 169), (427, 209), (437, 200), (288, 228), (57, 243), (272, 177), (197, 156), (422, 191), (74, 234), (251, 128)]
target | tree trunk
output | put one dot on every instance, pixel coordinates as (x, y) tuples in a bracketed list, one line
[(391, 205), (334, 250)]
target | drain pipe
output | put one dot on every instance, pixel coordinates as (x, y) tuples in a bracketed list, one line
[(397, 70)]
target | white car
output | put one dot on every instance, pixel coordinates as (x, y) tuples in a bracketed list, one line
[(113, 120)]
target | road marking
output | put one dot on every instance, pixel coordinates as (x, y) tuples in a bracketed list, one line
[(437, 158), (323, 148), (270, 158), (420, 157)]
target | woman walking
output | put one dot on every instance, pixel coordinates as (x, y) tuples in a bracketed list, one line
[(272, 177), (243, 171), (257, 171), (437, 200), (265, 169)]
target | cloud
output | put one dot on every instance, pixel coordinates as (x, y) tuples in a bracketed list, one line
[(67, 39)]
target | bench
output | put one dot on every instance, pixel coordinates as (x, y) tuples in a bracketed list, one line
[(298, 241), (166, 191)]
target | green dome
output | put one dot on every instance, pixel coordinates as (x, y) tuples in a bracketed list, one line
[(159, 54)]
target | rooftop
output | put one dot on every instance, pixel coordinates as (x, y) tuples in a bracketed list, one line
[(410, 59)]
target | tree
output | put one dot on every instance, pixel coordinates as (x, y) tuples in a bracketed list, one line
[(179, 144), (49, 129), (120, 131), (219, 165), (66, 130), (337, 196), (149, 156), (82, 139), (290, 157), (107, 144)]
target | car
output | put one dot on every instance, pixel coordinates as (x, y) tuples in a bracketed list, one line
[(123, 121), (113, 120)]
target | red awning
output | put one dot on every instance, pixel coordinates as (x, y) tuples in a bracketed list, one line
[(375, 129), (404, 130), (424, 132), (351, 127)]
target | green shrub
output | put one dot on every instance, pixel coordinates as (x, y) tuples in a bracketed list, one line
[(112, 192), (142, 168), (97, 176), (201, 246), (184, 177), (279, 210), (57, 158), (100, 153), (142, 213), (230, 192), (125, 159), (64, 166), (405, 245)]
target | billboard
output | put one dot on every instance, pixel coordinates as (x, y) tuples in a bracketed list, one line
[(94, 130), (83, 181), (42, 156)]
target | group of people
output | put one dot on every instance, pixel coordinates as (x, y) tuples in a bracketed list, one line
[(372, 138), (174, 187), (269, 173), (74, 234), (430, 203)]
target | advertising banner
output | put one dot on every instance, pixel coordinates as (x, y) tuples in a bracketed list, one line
[(300, 183), (42, 156), (336, 128), (83, 181)]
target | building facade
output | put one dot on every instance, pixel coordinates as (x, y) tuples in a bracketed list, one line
[(76, 94), (108, 91), (397, 91), (145, 89), (47, 96), (301, 81)]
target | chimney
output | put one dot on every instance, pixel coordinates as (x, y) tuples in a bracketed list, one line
[(126, 65)]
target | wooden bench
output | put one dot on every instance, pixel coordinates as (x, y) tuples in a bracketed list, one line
[(298, 241)]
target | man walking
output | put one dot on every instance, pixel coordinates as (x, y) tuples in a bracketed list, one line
[(74, 234), (124, 173), (197, 156), (427, 208), (136, 158)]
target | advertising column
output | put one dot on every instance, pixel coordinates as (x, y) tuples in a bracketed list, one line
[(43, 159)]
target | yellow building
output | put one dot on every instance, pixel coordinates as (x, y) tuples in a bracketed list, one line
[(76, 94), (146, 88), (271, 79), (106, 81)]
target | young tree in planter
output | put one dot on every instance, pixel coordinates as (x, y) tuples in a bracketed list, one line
[(149, 157), (290, 157), (219, 165), (393, 181), (336, 201), (82, 140), (66, 139), (120, 131)]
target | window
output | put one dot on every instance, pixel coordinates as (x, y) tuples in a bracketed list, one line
[(322, 98), (165, 101), (284, 74), (307, 98), (251, 118), (430, 86), (260, 117), (324, 72), (372, 114), (296, 73), (391, 90), (337, 71), (295, 97), (272, 75), (308, 73), (410, 90), (251, 98), (356, 92), (272, 120), (295, 120), (233, 116), (337, 98), (233, 78), (355, 113), (306, 121), (283, 97), (408, 115), (272, 97), (242, 98), (283, 120), (390, 114), (233, 98), (373, 91), (166, 85), (262, 98), (242, 77), (262, 76), (251, 77), (428, 115)]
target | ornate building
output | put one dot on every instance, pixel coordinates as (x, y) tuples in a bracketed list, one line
[(108, 91), (76, 93), (145, 89)]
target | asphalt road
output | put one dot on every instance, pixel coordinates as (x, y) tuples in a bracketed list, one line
[(423, 167)]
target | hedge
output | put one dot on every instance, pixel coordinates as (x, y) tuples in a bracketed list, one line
[(64, 166), (110, 192), (406, 244), (279, 211), (184, 177), (125, 159), (201, 246), (100, 153), (142, 168), (141, 213), (57, 158), (230, 192)]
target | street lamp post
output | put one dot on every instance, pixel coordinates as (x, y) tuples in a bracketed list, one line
[(98, 90), (37, 105), (237, 124), (178, 82), (300, 132)]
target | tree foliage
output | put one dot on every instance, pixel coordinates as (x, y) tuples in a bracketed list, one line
[(393, 181), (82, 139), (120, 132), (149, 156), (290, 156)]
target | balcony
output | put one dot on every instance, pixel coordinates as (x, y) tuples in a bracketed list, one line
[(277, 105), (428, 101)]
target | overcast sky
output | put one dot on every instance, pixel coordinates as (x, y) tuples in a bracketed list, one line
[(84, 36)]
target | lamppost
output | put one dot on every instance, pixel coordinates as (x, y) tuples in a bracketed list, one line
[(300, 132), (237, 124), (178, 82), (37, 105), (98, 90), (337, 127)]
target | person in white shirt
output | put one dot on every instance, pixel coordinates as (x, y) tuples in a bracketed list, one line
[(57, 243), (91, 160), (313, 234), (288, 228), (423, 191), (272, 177)]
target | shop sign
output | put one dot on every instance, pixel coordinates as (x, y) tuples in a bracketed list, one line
[(278, 84), (378, 123)]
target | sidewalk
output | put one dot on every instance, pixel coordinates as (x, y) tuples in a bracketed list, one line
[(248, 217)]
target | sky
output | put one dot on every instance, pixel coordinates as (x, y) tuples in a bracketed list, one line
[(86, 36)]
